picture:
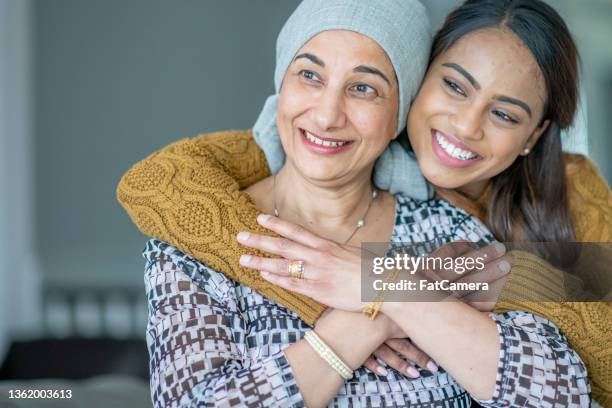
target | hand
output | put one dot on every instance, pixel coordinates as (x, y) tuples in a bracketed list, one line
[(489, 264), (396, 342), (392, 351), (332, 272), (400, 353)]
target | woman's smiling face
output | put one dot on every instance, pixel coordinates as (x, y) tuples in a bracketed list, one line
[(480, 106), (338, 106)]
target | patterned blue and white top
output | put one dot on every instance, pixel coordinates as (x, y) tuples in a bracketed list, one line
[(215, 342)]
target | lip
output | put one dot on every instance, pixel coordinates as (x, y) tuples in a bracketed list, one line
[(324, 150), (447, 159)]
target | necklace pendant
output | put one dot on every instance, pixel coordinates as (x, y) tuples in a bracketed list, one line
[(360, 223), (275, 212)]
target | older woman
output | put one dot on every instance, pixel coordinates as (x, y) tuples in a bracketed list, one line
[(341, 71)]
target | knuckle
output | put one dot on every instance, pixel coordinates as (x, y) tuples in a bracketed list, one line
[(401, 366), (282, 244), (421, 359), (296, 230), (381, 352), (283, 266), (257, 263), (370, 363)]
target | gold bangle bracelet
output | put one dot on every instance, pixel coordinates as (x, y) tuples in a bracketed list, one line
[(372, 308), (327, 354)]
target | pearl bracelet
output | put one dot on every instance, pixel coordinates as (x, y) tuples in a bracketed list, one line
[(327, 354)]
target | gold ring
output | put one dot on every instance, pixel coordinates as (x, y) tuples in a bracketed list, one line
[(296, 269)]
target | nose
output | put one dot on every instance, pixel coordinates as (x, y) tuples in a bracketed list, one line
[(467, 122), (329, 112)]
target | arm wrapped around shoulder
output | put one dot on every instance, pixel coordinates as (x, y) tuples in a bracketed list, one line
[(189, 195), (224, 160)]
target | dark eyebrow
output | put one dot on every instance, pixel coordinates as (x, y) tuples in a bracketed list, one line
[(371, 70), (517, 102), (361, 68), (313, 58), (463, 72), (475, 84)]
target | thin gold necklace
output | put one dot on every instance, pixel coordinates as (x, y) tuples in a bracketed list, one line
[(360, 222)]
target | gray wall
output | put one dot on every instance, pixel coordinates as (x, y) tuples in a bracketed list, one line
[(117, 79)]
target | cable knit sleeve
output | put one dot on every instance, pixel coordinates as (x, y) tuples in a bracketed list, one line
[(590, 200), (189, 195), (197, 341), (537, 367)]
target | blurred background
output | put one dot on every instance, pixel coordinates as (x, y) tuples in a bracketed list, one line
[(88, 88)]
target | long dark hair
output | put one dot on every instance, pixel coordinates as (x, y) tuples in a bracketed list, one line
[(529, 199)]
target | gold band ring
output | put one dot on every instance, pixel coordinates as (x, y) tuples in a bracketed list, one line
[(296, 269)]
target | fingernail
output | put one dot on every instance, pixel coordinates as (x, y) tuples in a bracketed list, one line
[(504, 266), (264, 273), (244, 259), (500, 248), (263, 218), (431, 366), (413, 372), (243, 236), (382, 371)]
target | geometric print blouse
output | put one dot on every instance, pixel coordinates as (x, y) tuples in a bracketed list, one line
[(214, 342)]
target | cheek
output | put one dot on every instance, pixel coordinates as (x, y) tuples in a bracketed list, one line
[(379, 123), (292, 102), (505, 149), (428, 104)]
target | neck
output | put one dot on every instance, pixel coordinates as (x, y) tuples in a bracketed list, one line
[(329, 210), (474, 190)]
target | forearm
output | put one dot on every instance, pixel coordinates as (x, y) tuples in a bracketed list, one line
[(351, 336), (459, 338)]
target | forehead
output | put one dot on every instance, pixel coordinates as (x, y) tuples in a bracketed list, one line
[(501, 63), (344, 46)]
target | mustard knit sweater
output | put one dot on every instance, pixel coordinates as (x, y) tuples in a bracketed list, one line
[(189, 194)]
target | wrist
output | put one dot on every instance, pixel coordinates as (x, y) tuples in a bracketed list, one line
[(390, 309), (352, 336)]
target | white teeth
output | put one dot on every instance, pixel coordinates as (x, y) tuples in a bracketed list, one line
[(453, 150), (322, 142)]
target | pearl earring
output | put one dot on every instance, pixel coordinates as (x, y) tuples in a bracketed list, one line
[(526, 151)]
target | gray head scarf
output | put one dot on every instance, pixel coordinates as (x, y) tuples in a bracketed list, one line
[(401, 28)]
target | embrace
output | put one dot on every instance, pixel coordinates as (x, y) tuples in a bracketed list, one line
[(379, 133)]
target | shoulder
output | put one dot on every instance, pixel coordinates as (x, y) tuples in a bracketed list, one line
[(227, 135), (435, 218), (211, 145), (580, 170), (590, 199), (166, 264)]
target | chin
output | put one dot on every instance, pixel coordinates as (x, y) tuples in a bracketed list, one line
[(440, 177), (317, 172)]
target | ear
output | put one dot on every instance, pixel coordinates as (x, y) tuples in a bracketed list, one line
[(535, 136)]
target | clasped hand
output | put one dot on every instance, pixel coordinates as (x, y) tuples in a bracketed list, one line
[(332, 276)]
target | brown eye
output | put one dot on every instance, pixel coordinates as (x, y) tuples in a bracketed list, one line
[(504, 116), (365, 90), (454, 87), (309, 75)]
